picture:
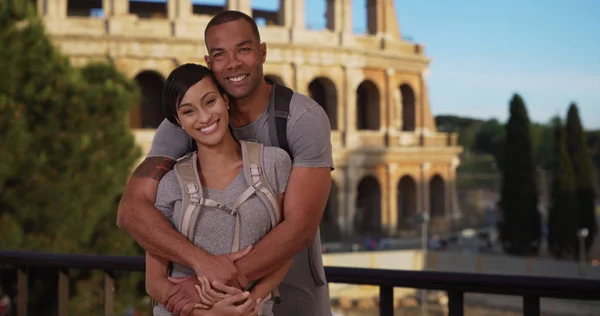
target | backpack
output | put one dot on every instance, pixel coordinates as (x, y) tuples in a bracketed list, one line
[(186, 170)]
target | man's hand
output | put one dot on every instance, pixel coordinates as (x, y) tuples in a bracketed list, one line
[(182, 298), (222, 268)]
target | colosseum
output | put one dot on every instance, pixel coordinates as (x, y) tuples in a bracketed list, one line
[(391, 162)]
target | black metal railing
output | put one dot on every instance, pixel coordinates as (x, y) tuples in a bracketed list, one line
[(531, 288)]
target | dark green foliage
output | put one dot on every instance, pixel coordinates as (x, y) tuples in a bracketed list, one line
[(520, 226), (563, 212), (66, 155), (584, 174)]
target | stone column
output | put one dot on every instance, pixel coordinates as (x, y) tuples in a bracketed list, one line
[(352, 77), (240, 5), (384, 182), (339, 15), (425, 207), (391, 112), (113, 8), (291, 14), (179, 9), (381, 18), (56, 9), (393, 198)]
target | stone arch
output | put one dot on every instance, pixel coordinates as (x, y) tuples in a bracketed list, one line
[(150, 113), (409, 111), (437, 196), (367, 219), (330, 230), (407, 200), (367, 106), (324, 92), (275, 79)]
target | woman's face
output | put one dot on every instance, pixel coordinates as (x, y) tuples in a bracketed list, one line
[(203, 113)]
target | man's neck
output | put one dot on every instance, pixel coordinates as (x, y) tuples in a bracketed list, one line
[(249, 109)]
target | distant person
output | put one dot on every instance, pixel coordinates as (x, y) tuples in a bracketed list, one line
[(270, 114)]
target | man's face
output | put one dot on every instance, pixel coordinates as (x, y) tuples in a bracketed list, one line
[(236, 57)]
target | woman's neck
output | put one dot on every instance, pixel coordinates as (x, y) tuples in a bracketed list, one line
[(249, 109), (220, 158)]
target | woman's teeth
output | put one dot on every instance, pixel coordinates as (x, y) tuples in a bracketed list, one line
[(209, 128)]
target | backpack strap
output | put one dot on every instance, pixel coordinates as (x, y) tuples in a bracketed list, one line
[(186, 170), (279, 109), (191, 192), (252, 154)]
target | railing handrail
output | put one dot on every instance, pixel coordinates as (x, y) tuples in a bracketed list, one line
[(540, 286)]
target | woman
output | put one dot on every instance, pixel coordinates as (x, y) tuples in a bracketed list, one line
[(193, 100)]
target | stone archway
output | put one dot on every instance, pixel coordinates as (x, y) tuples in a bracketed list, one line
[(407, 202), (324, 92), (408, 108), (367, 106), (367, 219), (437, 196), (275, 79), (150, 113), (330, 230)]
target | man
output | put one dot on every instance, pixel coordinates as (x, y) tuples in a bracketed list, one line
[(236, 56)]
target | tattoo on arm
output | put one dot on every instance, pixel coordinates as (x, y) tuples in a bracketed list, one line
[(154, 167)]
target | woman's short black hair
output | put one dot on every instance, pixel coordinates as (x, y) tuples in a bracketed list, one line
[(180, 80)]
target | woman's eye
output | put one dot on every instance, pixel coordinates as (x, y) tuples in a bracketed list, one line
[(210, 102)]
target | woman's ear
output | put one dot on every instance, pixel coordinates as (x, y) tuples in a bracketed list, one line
[(226, 99)]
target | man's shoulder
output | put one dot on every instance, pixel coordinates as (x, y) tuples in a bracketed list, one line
[(275, 154), (304, 107)]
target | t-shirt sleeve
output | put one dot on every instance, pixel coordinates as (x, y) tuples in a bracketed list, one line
[(167, 194), (309, 138), (170, 141)]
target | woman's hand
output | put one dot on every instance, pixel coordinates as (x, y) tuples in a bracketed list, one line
[(228, 307), (209, 296)]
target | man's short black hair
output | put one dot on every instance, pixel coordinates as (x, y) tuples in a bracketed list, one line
[(180, 80), (231, 16)]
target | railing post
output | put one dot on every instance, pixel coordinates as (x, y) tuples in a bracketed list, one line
[(455, 303), (22, 291), (531, 306), (386, 300), (109, 294), (63, 292)]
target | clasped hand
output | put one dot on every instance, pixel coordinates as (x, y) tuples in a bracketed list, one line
[(195, 296)]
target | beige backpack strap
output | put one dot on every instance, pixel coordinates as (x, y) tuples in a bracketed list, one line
[(191, 191), (252, 154)]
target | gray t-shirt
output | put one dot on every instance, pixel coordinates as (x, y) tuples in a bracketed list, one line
[(215, 228), (309, 141)]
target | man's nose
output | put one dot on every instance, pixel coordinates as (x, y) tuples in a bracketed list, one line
[(234, 61)]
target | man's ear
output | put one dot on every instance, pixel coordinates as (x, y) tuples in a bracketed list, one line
[(207, 61), (263, 52)]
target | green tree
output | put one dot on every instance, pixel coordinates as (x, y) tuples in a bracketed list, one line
[(563, 212), (584, 175), (520, 225), (67, 153), (488, 139)]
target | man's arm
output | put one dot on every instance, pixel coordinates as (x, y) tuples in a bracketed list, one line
[(305, 201), (137, 214), (309, 136)]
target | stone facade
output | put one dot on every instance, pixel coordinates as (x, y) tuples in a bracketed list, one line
[(391, 162)]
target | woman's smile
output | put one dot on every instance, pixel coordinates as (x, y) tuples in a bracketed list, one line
[(209, 129)]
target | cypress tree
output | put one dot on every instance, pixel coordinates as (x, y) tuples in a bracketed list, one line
[(563, 211), (584, 175), (520, 225)]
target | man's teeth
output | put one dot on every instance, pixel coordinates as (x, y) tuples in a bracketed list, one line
[(236, 79), (209, 128)]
